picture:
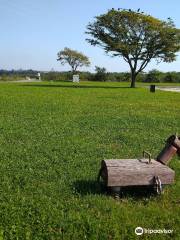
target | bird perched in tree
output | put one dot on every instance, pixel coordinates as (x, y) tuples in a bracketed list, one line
[(138, 9)]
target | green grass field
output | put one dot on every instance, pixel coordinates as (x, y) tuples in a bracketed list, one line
[(53, 137)]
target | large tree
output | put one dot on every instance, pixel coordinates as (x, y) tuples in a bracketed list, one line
[(74, 58), (136, 37)]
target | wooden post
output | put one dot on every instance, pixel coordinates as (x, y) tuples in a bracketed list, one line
[(174, 140), (166, 154)]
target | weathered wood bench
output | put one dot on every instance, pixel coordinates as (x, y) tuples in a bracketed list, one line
[(118, 173)]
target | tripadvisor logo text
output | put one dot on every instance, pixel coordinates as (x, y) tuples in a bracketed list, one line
[(140, 231)]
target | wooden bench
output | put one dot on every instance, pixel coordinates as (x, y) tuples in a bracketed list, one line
[(118, 173)]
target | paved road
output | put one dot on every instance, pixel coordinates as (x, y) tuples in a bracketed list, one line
[(169, 89), (21, 81)]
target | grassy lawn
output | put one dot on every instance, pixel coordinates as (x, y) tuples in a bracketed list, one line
[(53, 137)]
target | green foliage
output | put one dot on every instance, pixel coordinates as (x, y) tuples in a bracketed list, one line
[(157, 76), (151, 76), (56, 76), (53, 138), (14, 75), (7, 78), (136, 37), (73, 58), (66, 76), (172, 77), (154, 76), (101, 74)]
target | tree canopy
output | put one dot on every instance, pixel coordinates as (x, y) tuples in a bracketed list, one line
[(136, 37), (74, 58)]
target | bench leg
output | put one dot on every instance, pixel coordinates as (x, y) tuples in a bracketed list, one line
[(116, 192)]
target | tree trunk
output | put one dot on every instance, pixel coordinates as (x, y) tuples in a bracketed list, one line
[(133, 79), (73, 71)]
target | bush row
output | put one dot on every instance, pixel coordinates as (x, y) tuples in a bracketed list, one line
[(151, 76)]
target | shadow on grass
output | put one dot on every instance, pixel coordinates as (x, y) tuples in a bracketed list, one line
[(138, 192), (72, 86), (85, 187)]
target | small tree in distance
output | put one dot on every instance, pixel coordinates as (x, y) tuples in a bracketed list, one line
[(74, 58), (101, 73), (136, 37), (154, 76)]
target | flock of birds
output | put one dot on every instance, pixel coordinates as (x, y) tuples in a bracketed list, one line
[(128, 10)]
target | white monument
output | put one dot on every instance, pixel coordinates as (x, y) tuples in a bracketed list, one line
[(39, 76), (75, 78)]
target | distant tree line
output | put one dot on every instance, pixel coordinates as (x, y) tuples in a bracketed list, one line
[(100, 75), (103, 76), (11, 75)]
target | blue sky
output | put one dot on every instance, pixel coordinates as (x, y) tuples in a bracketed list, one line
[(33, 31)]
